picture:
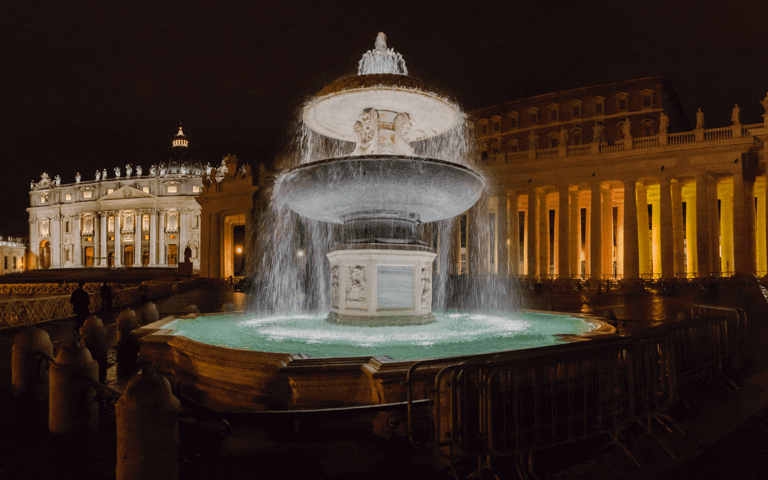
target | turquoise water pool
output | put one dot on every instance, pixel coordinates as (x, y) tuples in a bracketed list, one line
[(452, 334)]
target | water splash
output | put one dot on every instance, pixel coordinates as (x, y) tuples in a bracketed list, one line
[(382, 60)]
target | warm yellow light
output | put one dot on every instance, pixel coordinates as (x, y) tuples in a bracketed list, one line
[(300, 253), (239, 249)]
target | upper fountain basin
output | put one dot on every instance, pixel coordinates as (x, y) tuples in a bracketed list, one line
[(422, 189), (334, 111)]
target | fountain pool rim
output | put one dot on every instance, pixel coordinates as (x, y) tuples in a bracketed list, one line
[(230, 379)]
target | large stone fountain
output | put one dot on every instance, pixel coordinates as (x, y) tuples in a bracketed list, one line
[(383, 191)]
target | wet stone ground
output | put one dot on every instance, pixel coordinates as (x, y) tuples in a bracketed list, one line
[(726, 431)]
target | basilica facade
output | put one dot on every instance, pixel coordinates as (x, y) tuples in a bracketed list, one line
[(612, 182), (127, 217)]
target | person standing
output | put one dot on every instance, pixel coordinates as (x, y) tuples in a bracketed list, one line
[(106, 297), (81, 303)]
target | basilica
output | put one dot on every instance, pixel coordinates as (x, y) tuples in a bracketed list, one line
[(127, 217)]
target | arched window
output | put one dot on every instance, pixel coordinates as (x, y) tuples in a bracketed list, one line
[(44, 227), (173, 221), (145, 222), (88, 225), (128, 222), (111, 224)]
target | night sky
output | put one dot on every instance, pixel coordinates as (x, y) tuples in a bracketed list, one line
[(86, 85)]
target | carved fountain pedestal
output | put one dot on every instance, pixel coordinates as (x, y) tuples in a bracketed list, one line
[(381, 285)]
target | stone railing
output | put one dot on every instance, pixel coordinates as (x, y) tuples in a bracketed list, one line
[(514, 157), (547, 153), (579, 150), (616, 147), (55, 305), (646, 142), (680, 138), (746, 130), (718, 133)]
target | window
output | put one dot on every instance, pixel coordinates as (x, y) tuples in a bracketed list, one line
[(172, 189), (512, 119), (576, 108), (172, 223), (6, 263), (496, 121), (598, 105), (514, 145), (66, 227), (647, 98), (44, 198), (195, 188), (622, 102), (554, 138), (111, 224), (197, 221), (484, 127), (145, 189), (87, 194), (44, 227), (110, 190), (533, 115), (145, 222), (88, 225), (128, 223), (68, 196), (554, 113), (14, 263)]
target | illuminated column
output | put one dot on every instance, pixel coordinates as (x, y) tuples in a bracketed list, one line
[(563, 247), (643, 243), (595, 244), (744, 217), (631, 259), (77, 254), (714, 227), (56, 241), (184, 226), (502, 237), (620, 238), (666, 229), (656, 237), (153, 237), (574, 243), (725, 192), (690, 234), (678, 249), (162, 258), (543, 234), (514, 235), (762, 233), (96, 239), (103, 239), (702, 226), (137, 253), (532, 236), (118, 246), (607, 230)]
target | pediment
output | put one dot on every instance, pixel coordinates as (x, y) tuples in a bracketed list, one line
[(124, 193)]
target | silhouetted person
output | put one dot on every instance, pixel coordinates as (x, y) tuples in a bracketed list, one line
[(106, 297), (187, 254), (81, 303)]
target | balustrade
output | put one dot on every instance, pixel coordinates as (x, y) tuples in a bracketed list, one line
[(579, 150), (547, 154), (718, 133), (680, 138)]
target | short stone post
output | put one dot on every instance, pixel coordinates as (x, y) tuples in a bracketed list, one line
[(127, 344), (29, 370), (150, 313), (147, 429), (97, 342), (71, 403)]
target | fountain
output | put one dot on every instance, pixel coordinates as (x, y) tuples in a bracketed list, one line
[(381, 155)]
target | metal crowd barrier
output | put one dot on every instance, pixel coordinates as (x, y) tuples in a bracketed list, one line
[(516, 403)]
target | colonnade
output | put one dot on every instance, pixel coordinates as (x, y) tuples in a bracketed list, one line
[(703, 225)]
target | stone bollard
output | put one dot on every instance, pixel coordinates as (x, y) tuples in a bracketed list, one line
[(191, 309), (29, 376), (127, 344), (147, 429), (71, 404), (150, 313), (97, 342)]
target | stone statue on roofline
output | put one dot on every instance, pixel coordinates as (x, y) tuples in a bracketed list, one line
[(117, 172), (104, 174), (77, 177), (625, 130), (533, 141), (562, 139), (598, 133), (138, 170), (699, 120), (153, 170), (128, 171), (98, 175), (56, 180), (765, 103), (663, 124), (735, 114)]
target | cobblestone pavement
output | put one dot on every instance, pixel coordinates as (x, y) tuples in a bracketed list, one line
[(726, 431)]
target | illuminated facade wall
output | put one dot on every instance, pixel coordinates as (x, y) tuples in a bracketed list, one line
[(13, 254), (686, 204)]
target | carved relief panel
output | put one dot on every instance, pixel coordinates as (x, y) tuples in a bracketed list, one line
[(356, 287), (426, 287), (335, 286)]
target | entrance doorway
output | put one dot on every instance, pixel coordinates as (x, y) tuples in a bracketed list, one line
[(173, 255), (128, 256), (88, 256), (45, 254)]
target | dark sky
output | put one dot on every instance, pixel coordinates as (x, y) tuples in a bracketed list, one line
[(94, 84)]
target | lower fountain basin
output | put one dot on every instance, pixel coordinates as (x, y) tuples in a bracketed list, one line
[(239, 362), (413, 189)]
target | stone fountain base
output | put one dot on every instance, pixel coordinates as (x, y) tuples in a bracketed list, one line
[(381, 285)]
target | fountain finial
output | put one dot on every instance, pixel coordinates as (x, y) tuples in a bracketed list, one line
[(381, 42), (382, 60)]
